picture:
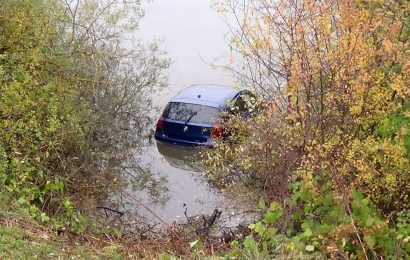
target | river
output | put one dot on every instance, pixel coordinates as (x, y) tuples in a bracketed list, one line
[(194, 37)]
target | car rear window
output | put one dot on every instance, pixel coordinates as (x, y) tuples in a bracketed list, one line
[(195, 113)]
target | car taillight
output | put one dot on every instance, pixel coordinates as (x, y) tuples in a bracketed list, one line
[(217, 131), (160, 123)]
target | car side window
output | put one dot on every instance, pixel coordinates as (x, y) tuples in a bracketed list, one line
[(243, 103), (240, 104)]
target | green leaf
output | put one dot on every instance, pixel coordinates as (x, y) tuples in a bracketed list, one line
[(22, 200), (260, 229), (270, 233), (307, 233), (369, 222), (305, 225), (195, 244), (117, 232), (262, 204), (271, 217), (343, 242), (370, 240), (250, 244), (275, 206), (44, 217), (310, 248)]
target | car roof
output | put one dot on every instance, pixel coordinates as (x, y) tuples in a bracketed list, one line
[(209, 95)]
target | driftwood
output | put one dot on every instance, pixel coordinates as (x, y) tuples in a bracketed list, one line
[(208, 222), (112, 210)]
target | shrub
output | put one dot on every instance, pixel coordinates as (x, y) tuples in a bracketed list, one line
[(336, 74), (73, 101), (324, 228)]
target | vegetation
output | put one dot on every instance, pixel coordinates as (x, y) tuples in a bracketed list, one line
[(73, 100), (331, 147), (328, 144), (74, 104), (21, 237)]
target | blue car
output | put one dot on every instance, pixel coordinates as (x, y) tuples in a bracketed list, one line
[(191, 117)]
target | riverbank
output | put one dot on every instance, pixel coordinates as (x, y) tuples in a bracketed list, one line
[(21, 237)]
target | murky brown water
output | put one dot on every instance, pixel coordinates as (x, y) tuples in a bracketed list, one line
[(194, 36)]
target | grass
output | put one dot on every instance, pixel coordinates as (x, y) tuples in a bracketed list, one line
[(18, 243), (23, 238), (14, 243)]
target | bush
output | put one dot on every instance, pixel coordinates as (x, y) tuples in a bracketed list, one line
[(324, 228), (73, 101), (38, 107), (336, 77)]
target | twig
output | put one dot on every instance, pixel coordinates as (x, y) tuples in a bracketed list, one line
[(185, 213), (357, 233), (113, 210), (156, 216)]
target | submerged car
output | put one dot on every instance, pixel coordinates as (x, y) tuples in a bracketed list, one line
[(191, 117)]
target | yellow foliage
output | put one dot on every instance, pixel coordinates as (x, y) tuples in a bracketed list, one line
[(339, 67)]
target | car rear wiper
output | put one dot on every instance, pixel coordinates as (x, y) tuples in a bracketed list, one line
[(193, 114)]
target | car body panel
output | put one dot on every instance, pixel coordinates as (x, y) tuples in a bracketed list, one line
[(208, 95), (188, 132)]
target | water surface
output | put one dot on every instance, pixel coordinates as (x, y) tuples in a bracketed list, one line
[(194, 36)]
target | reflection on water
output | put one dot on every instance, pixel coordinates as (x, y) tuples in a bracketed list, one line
[(184, 158), (166, 186), (169, 186)]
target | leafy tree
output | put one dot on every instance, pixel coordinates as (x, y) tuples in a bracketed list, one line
[(332, 77), (74, 100), (332, 71)]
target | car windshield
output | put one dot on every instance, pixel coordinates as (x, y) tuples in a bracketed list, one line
[(194, 113)]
